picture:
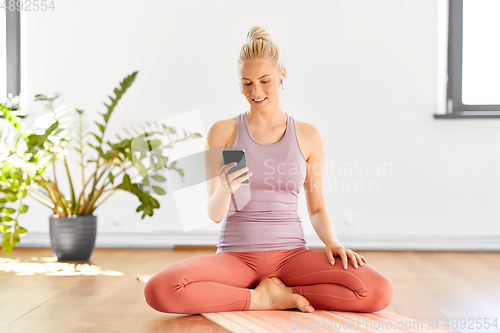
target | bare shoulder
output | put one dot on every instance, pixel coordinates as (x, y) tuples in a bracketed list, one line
[(221, 132), (307, 129), (309, 136)]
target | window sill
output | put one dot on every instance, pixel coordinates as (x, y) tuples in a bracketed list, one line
[(468, 115)]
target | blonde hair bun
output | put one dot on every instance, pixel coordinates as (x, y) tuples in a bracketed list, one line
[(257, 33), (260, 44)]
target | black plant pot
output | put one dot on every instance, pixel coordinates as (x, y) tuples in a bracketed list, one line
[(73, 238)]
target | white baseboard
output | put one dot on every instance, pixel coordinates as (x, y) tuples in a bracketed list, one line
[(402, 242)]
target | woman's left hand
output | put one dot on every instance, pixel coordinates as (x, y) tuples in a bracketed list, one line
[(334, 249)]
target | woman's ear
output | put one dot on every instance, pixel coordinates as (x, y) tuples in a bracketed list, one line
[(283, 72)]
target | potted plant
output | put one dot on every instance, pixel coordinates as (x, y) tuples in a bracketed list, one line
[(28, 167)]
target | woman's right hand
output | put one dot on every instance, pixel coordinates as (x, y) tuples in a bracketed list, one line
[(230, 182)]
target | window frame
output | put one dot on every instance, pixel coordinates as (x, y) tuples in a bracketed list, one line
[(454, 106), (13, 55)]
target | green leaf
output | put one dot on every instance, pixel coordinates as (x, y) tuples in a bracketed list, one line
[(101, 127), (40, 97), (8, 210), (126, 184), (158, 190), (4, 227), (98, 138), (32, 141), (59, 130), (111, 178), (125, 84), (23, 209), (158, 178), (48, 131), (35, 142), (142, 169), (7, 244), (9, 196)]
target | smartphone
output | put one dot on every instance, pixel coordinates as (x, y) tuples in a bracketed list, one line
[(235, 155)]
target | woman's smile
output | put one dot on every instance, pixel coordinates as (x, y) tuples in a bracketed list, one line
[(262, 101)]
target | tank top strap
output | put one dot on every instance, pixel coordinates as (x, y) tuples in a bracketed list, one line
[(288, 139), (292, 136), (295, 138), (240, 129)]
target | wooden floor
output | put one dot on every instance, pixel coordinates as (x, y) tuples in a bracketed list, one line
[(39, 294)]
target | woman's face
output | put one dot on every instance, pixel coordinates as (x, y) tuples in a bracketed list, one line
[(260, 80)]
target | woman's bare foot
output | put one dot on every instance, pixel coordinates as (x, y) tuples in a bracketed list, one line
[(273, 294)]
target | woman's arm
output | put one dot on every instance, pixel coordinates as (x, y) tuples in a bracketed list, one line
[(218, 197), (320, 219), (313, 188)]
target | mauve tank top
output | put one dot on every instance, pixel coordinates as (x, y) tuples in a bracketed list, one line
[(269, 220)]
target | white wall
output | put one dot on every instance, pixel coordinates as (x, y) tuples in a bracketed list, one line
[(368, 74), (3, 57)]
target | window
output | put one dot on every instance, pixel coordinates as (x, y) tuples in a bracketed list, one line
[(11, 56), (473, 88)]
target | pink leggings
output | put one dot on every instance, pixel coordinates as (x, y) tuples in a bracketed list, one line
[(219, 282)]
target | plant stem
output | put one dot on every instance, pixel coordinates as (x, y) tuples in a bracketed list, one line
[(97, 179), (45, 194), (54, 170), (82, 193), (42, 200), (73, 200), (93, 191), (103, 200), (88, 208), (82, 155), (119, 173), (56, 197), (109, 189)]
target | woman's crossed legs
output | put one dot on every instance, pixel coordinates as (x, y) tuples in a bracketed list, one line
[(220, 282)]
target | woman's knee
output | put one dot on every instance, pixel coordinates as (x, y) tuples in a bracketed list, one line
[(381, 294), (160, 289), (155, 292)]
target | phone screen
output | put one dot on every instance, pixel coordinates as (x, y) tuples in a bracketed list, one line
[(235, 155)]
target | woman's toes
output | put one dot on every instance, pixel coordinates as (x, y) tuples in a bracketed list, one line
[(303, 304), (309, 308)]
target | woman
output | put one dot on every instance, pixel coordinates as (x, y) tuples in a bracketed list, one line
[(262, 260)]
